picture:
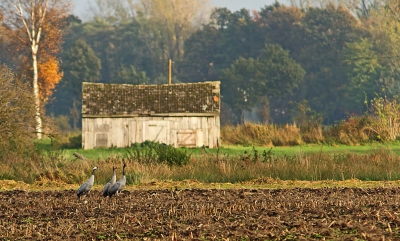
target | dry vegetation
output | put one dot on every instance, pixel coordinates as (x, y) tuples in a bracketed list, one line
[(381, 123), (377, 165)]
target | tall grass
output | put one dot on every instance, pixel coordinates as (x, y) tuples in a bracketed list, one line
[(55, 167), (379, 124), (353, 131), (261, 135)]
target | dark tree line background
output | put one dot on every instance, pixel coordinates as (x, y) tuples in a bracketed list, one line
[(334, 57)]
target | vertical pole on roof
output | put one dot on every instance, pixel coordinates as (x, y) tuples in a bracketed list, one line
[(169, 71)]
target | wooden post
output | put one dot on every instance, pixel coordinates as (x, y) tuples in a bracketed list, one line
[(169, 71)]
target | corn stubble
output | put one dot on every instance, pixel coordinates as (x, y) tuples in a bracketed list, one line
[(165, 214)]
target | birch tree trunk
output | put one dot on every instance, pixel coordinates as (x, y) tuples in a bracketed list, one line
[(37, 15), (35, 86)]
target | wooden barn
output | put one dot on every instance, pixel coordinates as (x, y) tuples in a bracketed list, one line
[(117, 115)]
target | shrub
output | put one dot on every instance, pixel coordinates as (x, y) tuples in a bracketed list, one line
[(152, 153), (75, 141), (384, 114), (309, 122), (352, 131), (17, 115), (62, 122)]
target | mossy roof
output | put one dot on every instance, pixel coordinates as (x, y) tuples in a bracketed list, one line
[(126, 99)]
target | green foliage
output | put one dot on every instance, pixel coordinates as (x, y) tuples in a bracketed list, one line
[(323, 34), (129, 75), (249, 80), (151, 153), (363, 73), (68, 140), (80, 64), (277, 17), (386, 39), (254, 156), (75, 141)]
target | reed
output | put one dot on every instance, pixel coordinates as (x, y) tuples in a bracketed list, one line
[(261, 135)]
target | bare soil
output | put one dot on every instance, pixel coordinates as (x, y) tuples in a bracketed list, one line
[(203, 214)]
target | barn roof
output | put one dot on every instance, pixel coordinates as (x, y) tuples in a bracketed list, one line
[(175, 99)]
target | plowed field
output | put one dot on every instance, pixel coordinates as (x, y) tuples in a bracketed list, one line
[(203, 214)]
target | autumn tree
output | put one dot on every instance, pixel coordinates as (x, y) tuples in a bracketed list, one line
[(113, 11), (175, 20), (35, 27)]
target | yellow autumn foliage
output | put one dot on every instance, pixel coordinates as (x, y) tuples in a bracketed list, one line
[(49, 77)]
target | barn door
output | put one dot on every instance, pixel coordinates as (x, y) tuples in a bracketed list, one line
[(155, 131), (190, 138)]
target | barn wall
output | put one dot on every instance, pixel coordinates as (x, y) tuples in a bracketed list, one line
[(177, 131)]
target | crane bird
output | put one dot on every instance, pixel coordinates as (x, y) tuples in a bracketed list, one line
[(85, 188), (110, 183), (118, 186)]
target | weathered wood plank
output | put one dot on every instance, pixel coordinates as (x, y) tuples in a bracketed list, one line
[(186, 138), (149, 115), (210, 123), (204, 126), (132, 131), (122, 132), (139, 133)]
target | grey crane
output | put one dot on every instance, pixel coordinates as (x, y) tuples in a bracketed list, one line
[(85, 188), (118, 186), (110, 183)]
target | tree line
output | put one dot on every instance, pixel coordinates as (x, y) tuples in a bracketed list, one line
[(335, 55)]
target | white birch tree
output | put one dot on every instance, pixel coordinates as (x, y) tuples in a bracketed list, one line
[(25, 21)]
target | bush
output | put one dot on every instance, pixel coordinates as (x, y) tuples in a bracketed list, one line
[(384, 114), (62, 122), (17, 115), (152, 152), (350, 132), (309, 122)]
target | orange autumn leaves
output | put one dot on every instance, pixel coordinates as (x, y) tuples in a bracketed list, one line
[(49, 76), (48, 65)]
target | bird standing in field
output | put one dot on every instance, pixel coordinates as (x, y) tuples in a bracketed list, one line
[(118, 186), (85, 188), (110, 183)]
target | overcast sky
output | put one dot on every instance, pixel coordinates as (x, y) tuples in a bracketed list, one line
[(81, 6)]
